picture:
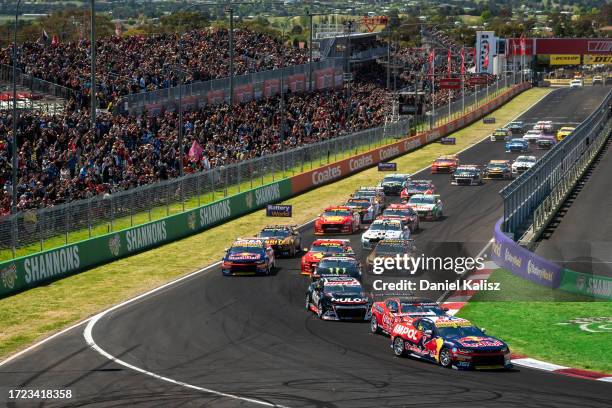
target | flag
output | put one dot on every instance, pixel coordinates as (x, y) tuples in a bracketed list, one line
[(118, 30), (485, 61), (195, 152), (432, 57), (55, 40), (449, 62), (523, 45), (462, 61), (44, 37)]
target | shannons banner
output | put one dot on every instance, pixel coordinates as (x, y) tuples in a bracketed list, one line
[(31, 271), (593, 286)]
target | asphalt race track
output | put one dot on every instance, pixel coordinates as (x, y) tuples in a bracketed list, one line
[(253, 339), (579, 242)]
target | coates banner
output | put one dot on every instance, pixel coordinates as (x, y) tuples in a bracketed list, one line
[(556, 59), (486, 50), (513, 46), (324, 78), (521, 262), (597, 59)]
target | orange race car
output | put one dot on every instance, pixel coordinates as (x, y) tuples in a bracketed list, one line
[(445, 164), (321, 248), (339, 220)]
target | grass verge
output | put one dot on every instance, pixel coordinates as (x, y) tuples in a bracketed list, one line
[(537, 321), (40, 311)]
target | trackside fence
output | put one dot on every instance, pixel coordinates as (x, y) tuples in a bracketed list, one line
[(533, 196)]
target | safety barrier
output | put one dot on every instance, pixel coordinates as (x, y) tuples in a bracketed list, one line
[(523, 263), (530, 189), (30, 271)]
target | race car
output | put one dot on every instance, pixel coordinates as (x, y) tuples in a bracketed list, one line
[(545, 142), (393, 184), (338, 220), (337, 265), (576, 84), (428, 206), (322, 247), (564, 132), (516, 127), (384, 229), (544, 126), (417, 187), (502, 134), (375, 192), (248, 256), (517, 146), (597, 80), (404, 213), (338, 298), (467, 175), (451, 342), (532, 135), (284, 239), (445, 164), (390, 248), (367, 208), (388, 312), (522, 164), (498, 169)]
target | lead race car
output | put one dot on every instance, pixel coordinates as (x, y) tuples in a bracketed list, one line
[(451, 342), (248, 256), (338, 298)]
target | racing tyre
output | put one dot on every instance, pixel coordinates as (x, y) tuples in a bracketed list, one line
[(398, 347), (440, 215), (307, 302), (320, 310), (292, 252), (374, 325), (445, 358)]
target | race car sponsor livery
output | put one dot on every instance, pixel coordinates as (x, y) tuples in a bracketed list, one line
[(339, 220), (417, 187), (498, 169), (322, 247), (428, 206), (467, 175), (284, 239), (338, 298), (445, 164), (450, 342), (248, 256), (403, 212), (387, 313)]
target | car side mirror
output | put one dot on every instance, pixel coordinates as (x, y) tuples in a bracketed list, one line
[(225, 249)]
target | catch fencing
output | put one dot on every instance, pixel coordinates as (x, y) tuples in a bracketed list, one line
[(526, 193), (34, 85)]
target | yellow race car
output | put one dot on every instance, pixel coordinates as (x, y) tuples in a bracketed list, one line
[(564, 132)]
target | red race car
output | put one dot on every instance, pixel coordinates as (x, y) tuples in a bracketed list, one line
[(387, 313), (321, 248), (339, 220), (403, 212), (445, 164), (417, 187)]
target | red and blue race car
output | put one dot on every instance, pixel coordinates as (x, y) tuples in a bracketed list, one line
[(387, 313), (248, 256), (450, 342)]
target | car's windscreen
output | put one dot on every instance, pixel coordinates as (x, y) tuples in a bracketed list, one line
[(343, 289), (422, 308), (336, 213), (442, 160), (358, 203), (337, 266), (274, 233), (393, 179), (460, 331), (330, 249), (422, 200), (419, 187), (525, 160), (365, 193), (386, 226), (247, 249), (496, 166), (398, 213)]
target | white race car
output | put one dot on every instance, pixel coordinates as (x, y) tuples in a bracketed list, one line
[(532, 135), (522, 164), (384, 229)]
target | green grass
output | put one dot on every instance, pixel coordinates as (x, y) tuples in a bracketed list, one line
[(196, 201), (533, 320), (40, 311)]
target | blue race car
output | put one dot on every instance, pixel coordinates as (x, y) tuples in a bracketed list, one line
[(248, 256), (449, 341), (517, 146)]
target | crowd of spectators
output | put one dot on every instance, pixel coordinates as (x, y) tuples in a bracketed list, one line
[(123, 67), (61, 159)]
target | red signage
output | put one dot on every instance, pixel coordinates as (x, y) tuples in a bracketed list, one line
[(513, 46), (450, 83), (476, 80), (560, 46)]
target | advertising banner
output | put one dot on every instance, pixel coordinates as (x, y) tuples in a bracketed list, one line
[(571, 59), (271, 87), (521, 262), (243, 93), (324, 78), (450, 83), (297, 82), (215, 97), (387, 166), (279, 210), (597, 59), (586, 284)]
